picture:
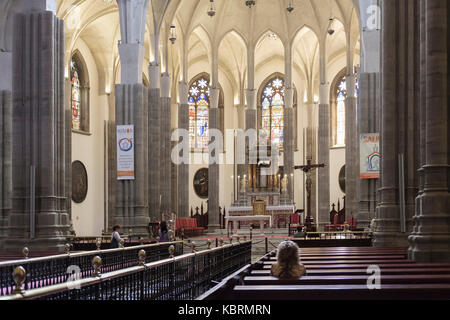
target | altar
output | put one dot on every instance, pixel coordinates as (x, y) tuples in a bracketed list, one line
[(237, 219), (280, 215)]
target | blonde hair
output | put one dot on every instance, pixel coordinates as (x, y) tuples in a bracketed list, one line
[(288, 261)]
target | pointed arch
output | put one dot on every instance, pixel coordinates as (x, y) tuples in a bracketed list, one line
[(79, 93)]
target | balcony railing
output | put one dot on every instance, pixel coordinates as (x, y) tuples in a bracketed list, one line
[(52, 270), (178, 278)]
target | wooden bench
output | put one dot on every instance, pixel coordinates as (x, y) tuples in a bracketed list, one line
[(341, 274), (343, 292)]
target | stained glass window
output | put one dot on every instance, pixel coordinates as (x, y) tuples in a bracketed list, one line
[(341, 96), (272, 115), (199, 95), (340, 112), (76, 96)]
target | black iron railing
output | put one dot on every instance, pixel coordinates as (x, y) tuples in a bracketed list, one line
[(179, 278), (52, 270)]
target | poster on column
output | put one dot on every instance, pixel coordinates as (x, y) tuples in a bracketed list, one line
[(125, 153), (370, 156)]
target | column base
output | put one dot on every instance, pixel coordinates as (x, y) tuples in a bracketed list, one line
[(390, 239), (44, 245)]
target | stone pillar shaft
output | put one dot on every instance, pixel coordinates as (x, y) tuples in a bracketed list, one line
[(154, 153), (5, 162), (166, 150), (39, 132), (183, 169), (132, 195), (368, 122), (430, 242)]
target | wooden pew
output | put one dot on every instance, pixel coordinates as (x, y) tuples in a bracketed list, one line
[(342, 274), (343, 292), (338, 280)]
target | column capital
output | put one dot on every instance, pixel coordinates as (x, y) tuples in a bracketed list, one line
[(215, 93), (39, 5), (165, 85), (289, 98), (350, 81), (324, 93), (251, 98), (183, 92), (153, 72)]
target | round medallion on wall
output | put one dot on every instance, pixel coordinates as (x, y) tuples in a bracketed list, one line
[(201, 183), (79, 182), (342, 179)]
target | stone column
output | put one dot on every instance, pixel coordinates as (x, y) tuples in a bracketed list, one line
[(39, 130), (289, 115), (166, 149), (132, 101), (289, 121), (311, 153), (132, 195), (368, 122), (5, 162), (213, 178), (398, 121), (183, 169), (351, 157), (323, 155), (154, 144), (430, 242)]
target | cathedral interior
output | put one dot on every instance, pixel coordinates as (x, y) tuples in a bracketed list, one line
[(242, 126)]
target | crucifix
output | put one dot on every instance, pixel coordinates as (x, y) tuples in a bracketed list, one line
[(307, 169)]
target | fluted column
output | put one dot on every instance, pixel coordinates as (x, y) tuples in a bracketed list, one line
[(213, 179), (165, 162), (289, 137), (39, 131), (398, 120), (351, 157), (289, 114), (368, 122), (132, 108), (183, 168), (311, 153), (154, 143), (323, 155), (430, 242), (5, 162)]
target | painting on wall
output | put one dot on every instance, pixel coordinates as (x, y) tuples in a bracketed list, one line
[(79, 182), (342, 179), (201, 183)]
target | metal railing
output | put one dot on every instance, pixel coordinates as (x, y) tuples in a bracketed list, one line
[(338, 235), (52, 270), (177, 278)]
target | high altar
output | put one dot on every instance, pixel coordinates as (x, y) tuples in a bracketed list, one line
[(263, 192)]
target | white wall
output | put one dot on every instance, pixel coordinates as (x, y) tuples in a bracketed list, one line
[(88, 217)]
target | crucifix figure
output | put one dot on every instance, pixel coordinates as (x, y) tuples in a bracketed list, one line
[(307, 169)]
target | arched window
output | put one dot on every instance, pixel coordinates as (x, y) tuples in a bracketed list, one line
[(76, 96), (271, 109), (199, 95), (79, 95), (339, 95)]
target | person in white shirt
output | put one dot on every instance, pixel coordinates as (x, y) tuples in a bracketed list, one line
[(115, 237)]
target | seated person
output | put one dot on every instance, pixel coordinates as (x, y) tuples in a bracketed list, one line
[(300, 233), (288, 262)]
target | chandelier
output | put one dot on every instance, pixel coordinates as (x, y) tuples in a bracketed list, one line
[(212, 9), (290, 7), (250, 3), (173, 34)]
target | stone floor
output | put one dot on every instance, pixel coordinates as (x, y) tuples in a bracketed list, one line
[(274, 237)]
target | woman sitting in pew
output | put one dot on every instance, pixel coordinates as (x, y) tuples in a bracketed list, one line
[(288, 262)]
